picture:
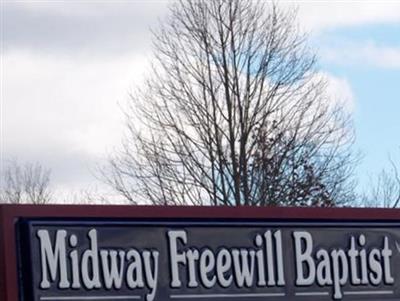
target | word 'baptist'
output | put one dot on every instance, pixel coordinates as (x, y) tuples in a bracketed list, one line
[(337, 267)]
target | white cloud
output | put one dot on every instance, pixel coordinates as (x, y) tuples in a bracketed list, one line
[(318, 16), (72, 28), (339, 90), (321, 17), (366, 54), (64, 113)]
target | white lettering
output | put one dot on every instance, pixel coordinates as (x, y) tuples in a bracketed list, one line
[(53, 261), (304, 257), (176, 258)]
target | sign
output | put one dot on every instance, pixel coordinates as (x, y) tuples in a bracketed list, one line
[(209, 254)]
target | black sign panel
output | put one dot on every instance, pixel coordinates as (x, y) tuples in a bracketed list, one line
[(209, 260)]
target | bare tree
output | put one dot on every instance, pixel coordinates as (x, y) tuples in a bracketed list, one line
[(384, 190), (28, 183), (88, 196), (234, 112)]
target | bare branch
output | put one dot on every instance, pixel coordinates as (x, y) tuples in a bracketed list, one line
[(233, 113), (28, 183)]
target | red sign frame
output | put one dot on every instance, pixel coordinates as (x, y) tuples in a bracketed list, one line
[(9, 215)]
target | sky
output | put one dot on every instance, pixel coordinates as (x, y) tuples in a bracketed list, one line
[(67, 68)]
